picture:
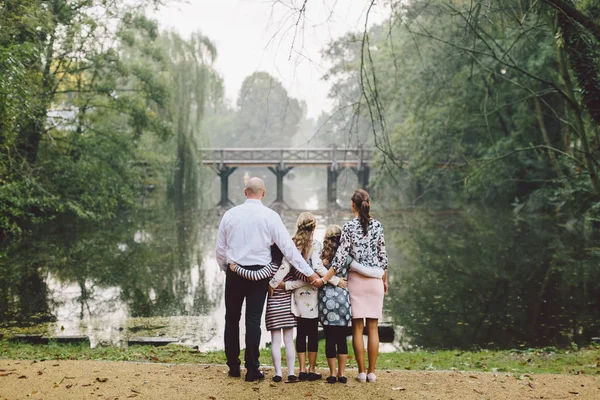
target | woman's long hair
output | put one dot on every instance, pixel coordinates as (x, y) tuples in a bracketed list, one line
[(305, 228), (331, 242), (361, 202)]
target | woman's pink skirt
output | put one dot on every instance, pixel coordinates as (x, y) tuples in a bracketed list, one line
[(366, 296)]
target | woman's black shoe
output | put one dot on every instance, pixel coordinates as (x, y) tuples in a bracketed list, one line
[(292, 378), (314, 377), (277, 379), (303, 376), (331, 379), (342, 379)]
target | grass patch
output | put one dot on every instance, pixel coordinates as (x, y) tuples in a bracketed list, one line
[(584, 361)]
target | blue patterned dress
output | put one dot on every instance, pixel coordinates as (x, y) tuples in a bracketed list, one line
[(334, 302)]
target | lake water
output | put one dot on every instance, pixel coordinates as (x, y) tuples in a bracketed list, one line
[(458, 278)]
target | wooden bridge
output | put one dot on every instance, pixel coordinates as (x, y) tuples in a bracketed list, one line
[(280, 161)]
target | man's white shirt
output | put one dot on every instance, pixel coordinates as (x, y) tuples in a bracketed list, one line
[(246, 234)]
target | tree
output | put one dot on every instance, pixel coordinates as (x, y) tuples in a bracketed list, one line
[(60, 54), (266, 115)]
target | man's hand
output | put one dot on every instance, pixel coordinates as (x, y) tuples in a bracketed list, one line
[(314, 277), (232, 267), (315, 280)]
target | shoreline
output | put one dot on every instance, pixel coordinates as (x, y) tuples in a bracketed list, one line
[(526, 361)]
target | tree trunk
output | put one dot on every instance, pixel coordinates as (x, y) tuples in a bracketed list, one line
[(551, 155), (579, 125)]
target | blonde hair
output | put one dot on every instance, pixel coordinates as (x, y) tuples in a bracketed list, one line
[(305, 228), (333, 233)]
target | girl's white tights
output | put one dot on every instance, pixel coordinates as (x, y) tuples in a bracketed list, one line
[(290, 352)]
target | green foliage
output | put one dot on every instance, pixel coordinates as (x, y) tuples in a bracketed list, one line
[(450, 92), (81, 100)]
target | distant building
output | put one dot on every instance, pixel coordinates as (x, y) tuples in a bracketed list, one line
[(62, 117)]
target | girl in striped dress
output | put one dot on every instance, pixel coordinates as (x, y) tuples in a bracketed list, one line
[(278, 318)]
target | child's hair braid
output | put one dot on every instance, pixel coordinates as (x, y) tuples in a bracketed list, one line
[(333, 233), (305, 228)]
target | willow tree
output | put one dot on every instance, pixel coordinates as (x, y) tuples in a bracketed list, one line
[(192, 81)]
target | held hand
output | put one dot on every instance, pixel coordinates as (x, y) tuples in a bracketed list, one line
[(318, 283), (313, 278), (232, 266), (343, 284)]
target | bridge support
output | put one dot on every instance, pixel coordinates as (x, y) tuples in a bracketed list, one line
[(280, 172), (332, 175), (362, 172), (224, 172)]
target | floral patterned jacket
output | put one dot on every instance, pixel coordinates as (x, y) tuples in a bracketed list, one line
[(368, 250)]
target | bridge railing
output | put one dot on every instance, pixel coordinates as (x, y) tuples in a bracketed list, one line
[(326, 155)]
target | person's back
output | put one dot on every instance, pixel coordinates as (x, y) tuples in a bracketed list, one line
[(367, 248), (249, 226)]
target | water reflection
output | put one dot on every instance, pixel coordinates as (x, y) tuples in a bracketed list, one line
[(97, 280), (484, 278), (148, 275)]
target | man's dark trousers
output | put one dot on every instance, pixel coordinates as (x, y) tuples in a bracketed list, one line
[(254, 292)]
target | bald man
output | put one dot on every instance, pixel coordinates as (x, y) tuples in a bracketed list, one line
[(245, 236)]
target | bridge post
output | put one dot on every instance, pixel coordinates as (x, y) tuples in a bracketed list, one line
[(362, 173), (362, 170), (224, 172), (332, 174), (280, 172)]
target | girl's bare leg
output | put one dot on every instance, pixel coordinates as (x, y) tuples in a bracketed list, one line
[(302, 361), (342, 359), (331, 365), (312, 361)]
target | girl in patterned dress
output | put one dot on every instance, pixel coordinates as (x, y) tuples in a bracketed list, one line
[(278, 318), (334, 310), (363, 239)]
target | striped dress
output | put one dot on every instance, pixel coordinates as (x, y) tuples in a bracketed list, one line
[(279, 306)]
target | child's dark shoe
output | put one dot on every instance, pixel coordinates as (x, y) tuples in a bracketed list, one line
[(293, 378), (277, 379), (303, 376), (331, 379), (342, 379), (314, 377)]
